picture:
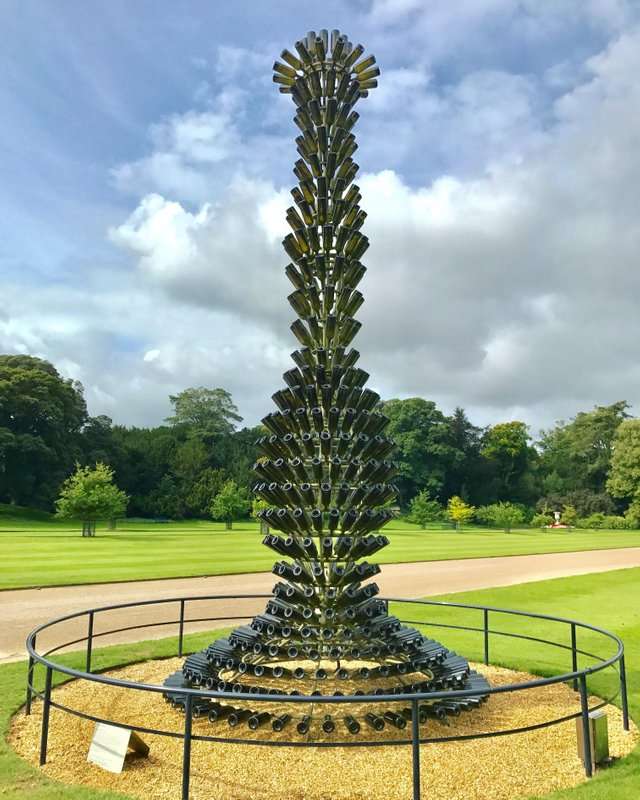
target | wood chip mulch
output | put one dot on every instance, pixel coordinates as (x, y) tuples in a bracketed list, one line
[(503, 768)]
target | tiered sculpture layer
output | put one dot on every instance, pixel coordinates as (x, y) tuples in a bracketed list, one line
[(325, 471)]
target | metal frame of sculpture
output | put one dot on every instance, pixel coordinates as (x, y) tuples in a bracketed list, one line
[(325, 468)]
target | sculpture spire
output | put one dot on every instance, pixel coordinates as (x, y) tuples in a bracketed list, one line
[(325, 468)]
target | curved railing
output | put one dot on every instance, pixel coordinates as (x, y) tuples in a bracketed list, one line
[(574, 675)]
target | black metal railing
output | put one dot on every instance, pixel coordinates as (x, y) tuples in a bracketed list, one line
[(576, 676)]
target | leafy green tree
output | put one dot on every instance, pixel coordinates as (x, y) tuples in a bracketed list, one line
[(230, 503), (205, 412), (577, 454), (260, 505), (459, 512), (502, 515), (97, 441), (89, 495), (188, 460), (464, 475), (143, 460), (423, 453), (200, 496), (41, 416), (423, 509), (506, 448), (236, 455), (624, 472), (166, 500), (171, 472)]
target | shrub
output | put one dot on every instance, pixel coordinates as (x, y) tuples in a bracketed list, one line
[(586, 502), (599, 521), (501, 515), (616, 523), (541, 520), (632, 515), (593, 521), (569, 515)]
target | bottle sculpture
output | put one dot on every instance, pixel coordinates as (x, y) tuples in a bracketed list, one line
[(326, 467)]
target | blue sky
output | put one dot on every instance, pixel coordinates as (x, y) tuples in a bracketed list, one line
[(145, 159)]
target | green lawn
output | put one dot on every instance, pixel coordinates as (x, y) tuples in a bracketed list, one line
[(40, 553), (611, 600)]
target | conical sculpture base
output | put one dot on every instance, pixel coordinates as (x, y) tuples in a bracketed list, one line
[(325, 470)]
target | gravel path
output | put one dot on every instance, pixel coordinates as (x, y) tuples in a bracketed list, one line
[(21, 610)]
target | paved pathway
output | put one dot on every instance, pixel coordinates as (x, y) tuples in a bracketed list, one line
[(22, 609)]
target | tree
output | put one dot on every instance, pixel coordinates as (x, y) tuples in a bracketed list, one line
[(41, 416), (206, 412), (230, 503), (143, 459), (200, 496), (257, 506), (464, 474), (423, 509), (423, 451), (166, 499), (236, 454), (502, 515), (98, 443), (506, 448), (624, 472), (459, 512), (89, 495), (577, 454)]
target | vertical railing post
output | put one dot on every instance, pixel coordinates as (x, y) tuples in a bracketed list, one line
[(181, 629), (624, 700), (44, 734), (89, 642), (186, 747), (574, 655), (27, 705), (29, 698), (486, 635), (586, 732), (415, 736)]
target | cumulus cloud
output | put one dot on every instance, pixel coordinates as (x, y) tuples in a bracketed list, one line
[(222, 257)]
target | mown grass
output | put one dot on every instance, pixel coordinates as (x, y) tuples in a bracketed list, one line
[(610, 600), (39, 553)]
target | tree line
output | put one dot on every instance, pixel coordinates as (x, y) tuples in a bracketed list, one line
[(588, 465)]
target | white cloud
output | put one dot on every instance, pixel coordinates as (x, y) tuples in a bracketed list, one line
[(225, 257)]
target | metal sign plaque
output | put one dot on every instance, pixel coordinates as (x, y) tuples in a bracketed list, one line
[(110, 745)]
